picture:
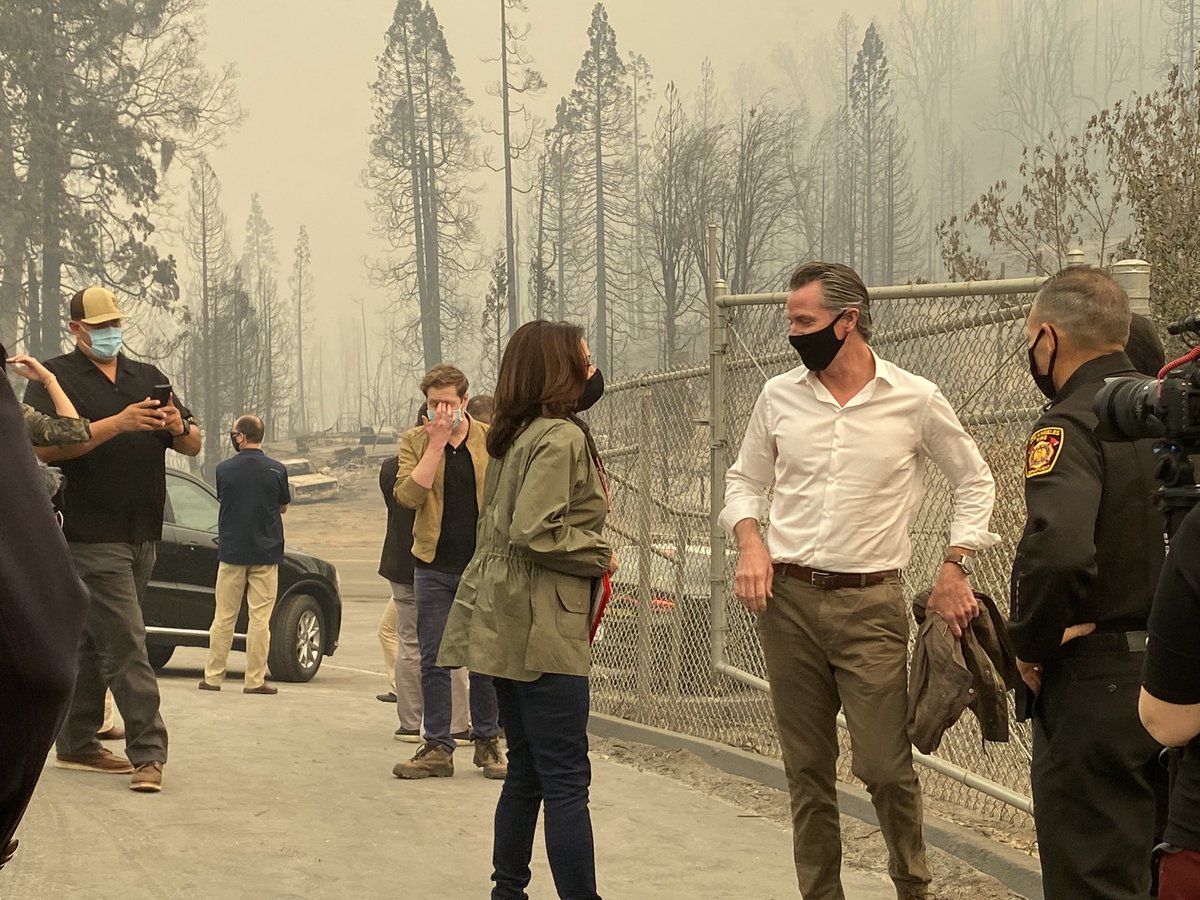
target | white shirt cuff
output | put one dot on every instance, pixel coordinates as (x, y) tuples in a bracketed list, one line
[(970, 538), (737, 510)]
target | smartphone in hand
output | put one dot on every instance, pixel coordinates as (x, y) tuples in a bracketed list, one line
[(161, 393)]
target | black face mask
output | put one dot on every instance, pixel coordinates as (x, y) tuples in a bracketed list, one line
[(233, 436), (592, 392), (817, 350), (1045, 383)]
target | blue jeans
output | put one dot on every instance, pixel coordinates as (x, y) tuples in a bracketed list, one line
[(435, 595), (545, 722)]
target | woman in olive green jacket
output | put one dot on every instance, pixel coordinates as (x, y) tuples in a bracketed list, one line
[(521, 613)]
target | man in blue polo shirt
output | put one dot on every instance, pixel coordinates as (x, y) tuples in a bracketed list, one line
[(254, 494)]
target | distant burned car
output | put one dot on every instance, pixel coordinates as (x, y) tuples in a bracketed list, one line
[(307, 483)]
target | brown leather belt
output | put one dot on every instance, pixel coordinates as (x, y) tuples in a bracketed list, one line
[(830, 581)]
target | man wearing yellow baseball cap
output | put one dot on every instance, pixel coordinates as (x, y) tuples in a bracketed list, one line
[(112, 518)]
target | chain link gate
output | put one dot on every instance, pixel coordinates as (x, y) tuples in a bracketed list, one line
[(676, 649)]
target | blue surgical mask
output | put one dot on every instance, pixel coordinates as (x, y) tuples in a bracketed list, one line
[(458, 419), (106, 342)]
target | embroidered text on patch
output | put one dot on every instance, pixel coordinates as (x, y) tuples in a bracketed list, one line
[(1042, 452)]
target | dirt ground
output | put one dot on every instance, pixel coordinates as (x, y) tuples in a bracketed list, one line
[(352, 527), (862, 844)]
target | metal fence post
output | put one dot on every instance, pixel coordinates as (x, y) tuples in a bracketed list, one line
[(644, 492), (1133, 275), (718, 459), (675, 659)]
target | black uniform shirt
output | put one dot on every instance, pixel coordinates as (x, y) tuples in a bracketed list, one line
[(251, 487), (1092, 547), (460, 513), (396, 560), (1172, 670), (116, 492)]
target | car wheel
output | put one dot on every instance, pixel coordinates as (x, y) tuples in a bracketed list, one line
[(297, 639), (159, 655)]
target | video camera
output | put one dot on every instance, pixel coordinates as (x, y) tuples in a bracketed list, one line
[(1166, 408)]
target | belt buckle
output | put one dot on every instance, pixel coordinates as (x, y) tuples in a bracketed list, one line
[(816, 579), (1135, 642)]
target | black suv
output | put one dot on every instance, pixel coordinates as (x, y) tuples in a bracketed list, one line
[(179, 605)]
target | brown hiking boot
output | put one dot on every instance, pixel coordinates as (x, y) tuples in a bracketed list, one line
[(103, 761), (147, 778), (489, 758), (431, 761)]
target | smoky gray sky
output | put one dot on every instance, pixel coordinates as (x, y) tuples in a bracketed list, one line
[(304, 68)]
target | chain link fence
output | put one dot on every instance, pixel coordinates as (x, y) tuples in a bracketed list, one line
[(676, 649)]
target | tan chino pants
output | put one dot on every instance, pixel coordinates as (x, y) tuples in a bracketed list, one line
[(258, 584), (831, 649), (389, 640)]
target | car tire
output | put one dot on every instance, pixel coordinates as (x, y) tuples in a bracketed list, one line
[(159, 655), (297, 639)]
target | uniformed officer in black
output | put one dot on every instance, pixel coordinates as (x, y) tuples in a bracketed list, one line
[(1082, 585)]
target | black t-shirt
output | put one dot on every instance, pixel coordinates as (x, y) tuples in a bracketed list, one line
[(116, 492), (396, 560), (1172, 669), (251, 487), (460, 513)]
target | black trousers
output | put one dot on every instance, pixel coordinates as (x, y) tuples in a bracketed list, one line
[(548, 770), (1098, 787)]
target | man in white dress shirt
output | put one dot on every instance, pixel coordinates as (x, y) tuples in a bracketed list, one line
[(844, 438)]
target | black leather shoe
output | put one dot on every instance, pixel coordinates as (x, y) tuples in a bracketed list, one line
[(389, 697)]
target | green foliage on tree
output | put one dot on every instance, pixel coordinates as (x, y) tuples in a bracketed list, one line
[(96, 100)]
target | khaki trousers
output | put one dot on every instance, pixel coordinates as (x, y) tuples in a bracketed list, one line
[(405, 654), (831, 649), (389, 640), (258, 584)]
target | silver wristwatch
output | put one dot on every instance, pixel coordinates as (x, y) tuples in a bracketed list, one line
[(963, 561)]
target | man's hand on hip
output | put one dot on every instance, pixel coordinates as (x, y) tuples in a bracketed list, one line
[(953, 599), (755, 575), (1031, 674)]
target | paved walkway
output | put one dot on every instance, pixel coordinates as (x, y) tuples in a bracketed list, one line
[(292, 797)]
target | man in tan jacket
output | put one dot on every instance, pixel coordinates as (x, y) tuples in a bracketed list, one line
[(441, 471)]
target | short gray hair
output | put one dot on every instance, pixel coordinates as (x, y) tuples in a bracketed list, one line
[(1088, 305), (841, 289)]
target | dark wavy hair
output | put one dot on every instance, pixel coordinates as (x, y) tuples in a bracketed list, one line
[(543, 373)]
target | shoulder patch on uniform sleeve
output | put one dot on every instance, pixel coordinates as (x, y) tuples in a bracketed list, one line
[(1042, 451)]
